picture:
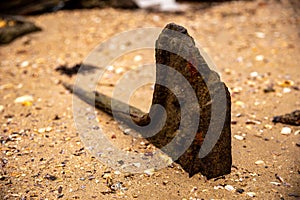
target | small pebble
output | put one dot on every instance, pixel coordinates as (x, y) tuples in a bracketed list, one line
[(286, 131), (117, 172), (260, 35), (259, 58), (24, 99), (238, 137), (275, 183), (269, 88), (229, 187), (149, 172), (251, 194), (259, 162), (127, 131), (268, 126), (24, 64), (239, 190), (254, 74), (236, 90), (218, 187), (59, 190), (1, 108), (194, 189), (286, 90), (46, 129), (110, 68), (253, 122), (50, 177)]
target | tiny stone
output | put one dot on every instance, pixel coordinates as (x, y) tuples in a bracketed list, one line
[(117, 172), (110, 68), (41, 130), (229, 187), (269, 88), (268, 126), (1, 108), (127, 131), (194, 189), (48, 129), (149, 172), (253, 74), (260, 35), (59, 190), (218, 187), (251, 194), (275, 183), (286, 90), (259, 58), (238, 137), (253, 122), (56, 117), (239, 190), (50, 177), (259, 162), (24, 64), (23, 99), (286, 131)]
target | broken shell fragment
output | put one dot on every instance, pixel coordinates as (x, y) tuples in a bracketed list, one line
[(286, 131), (24, 99)]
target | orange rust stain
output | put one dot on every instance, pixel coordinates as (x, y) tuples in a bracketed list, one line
[(199, 138)]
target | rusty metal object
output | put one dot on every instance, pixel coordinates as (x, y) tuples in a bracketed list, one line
[(186, 59), (176, 53)]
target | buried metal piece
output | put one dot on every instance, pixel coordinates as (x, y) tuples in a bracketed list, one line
[(210, 151), (191, 107)]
